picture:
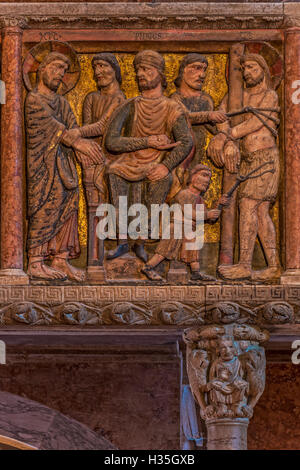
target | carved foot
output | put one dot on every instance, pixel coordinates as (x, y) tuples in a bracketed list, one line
[(117, 252), (151, 274), (266, 274), (39, 270), (198, 276), (234, 272), (70, 271), (140, 252)]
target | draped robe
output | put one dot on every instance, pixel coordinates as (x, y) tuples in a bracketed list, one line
[(52, 182)]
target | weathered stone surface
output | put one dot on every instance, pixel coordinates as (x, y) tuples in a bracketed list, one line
[(44, 428), (191, 14), (125, 388)]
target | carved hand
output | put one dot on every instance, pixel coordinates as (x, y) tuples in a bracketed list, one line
[(214, 214), (161, 142), (231, 157), (215, 149), (158, 172), (217, 116), (85, 161), (72, 134), (91, 149), (224, 200)]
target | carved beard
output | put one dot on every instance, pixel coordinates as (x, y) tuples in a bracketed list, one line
[(49, 83), (149, 84), (253, 82)]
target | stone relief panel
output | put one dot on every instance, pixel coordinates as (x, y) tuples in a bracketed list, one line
[(154, 130)]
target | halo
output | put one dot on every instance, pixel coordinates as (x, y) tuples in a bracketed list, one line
[(37, 54), (272, 57)]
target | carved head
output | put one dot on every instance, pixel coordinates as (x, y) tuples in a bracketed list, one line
[(172, 312), (226, 348), (226, 312), (123, 312), (128, 313), (200, 177), (278, 312), (192, 71), (150, 70), (255, 70), (106, 69), (52, 70)]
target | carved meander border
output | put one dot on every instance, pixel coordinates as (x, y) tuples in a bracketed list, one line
[(148, 305)]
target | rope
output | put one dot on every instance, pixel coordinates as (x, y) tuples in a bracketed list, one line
[(258, 112)]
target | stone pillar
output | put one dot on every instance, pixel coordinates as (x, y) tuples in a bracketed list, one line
[(235, 98), (11, 155), (226, 369), (292, 156), (227, 434)]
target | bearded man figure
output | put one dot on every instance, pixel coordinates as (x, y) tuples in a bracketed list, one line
[(199, 105), (140, 137), (252, 144), (53, 192)]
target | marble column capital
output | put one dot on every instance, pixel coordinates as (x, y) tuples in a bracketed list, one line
[(226, 370), (292, 23), (13, 24)]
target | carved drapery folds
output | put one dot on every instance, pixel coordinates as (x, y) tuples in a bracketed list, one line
[(226, 370)]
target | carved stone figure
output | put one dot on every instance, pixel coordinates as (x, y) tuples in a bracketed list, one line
[(173, 248), (276, 312), (126, 313), (229, 312), (98, 107), (52, 177), (226, 369), (140, 137), (252, 144), (199, 107), (175, 313)]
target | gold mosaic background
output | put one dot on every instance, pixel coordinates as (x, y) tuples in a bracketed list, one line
[(215, 84)]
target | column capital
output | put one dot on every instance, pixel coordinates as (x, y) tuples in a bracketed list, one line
[(226, 369), (291, 16), (13, 22)]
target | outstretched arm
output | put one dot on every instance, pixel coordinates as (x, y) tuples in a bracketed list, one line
[(182, 135), (115, 142)]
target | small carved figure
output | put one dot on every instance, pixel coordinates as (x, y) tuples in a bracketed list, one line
[(140, 136), (229, 312), (52, 177), (128, 314), (227, 389), (26, 312), (226, 369), (253, 142), (76, 313), (173, 249), (175, 313), (276, 312)]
